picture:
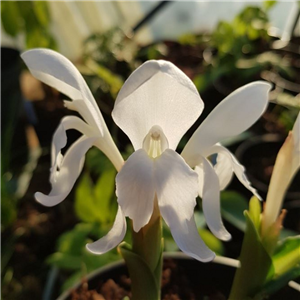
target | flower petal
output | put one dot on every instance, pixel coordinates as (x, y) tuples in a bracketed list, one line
[(238, 169), (232, 116), (135, 188), (200, 172), (176, 184), (186, 235), (113, 238), (211, 202), (57, 71), (157, 93), (59, 140), (71, 167), (224, 170)]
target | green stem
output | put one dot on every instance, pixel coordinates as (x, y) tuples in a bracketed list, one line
[(145, 262)]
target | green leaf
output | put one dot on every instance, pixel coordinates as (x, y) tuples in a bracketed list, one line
[(93, 203), (10, 17), (65, 261), (40, 9), (144, 285), (276, 284), (254, 212), (267, 5), (287, 255), (104, 190), (233, 206), (73, 241), (256, 264)]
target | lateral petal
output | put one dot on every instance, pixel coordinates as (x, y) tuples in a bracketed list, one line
[(70, 168), (176, 184), (135, 188), (238, 169), (114, 237), (211, 202), (232, 116), (157, 93)]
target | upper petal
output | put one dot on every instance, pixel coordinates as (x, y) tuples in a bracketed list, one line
[(157, 93), (70, 168), (233, 115), (135, 188), (113, 238), (57, 71), (176, 184)]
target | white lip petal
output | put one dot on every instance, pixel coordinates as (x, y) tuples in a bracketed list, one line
[(176, 184), (57, 71), (135, 188), (186, 235), (233, 115), (211, 202), (114, 237), (237, 168), (157, 93), (71, 167)]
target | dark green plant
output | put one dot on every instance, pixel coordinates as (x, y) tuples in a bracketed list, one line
[(31, 18)]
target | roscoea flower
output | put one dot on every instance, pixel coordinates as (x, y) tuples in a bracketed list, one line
[(156, 106)]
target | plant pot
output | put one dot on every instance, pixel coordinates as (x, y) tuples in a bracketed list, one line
[(183, 278)]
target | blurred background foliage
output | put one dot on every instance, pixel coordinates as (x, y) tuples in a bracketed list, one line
[(43, 250)]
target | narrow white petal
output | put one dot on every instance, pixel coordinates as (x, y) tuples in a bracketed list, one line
[(211, 202), (186, 236), (70, 169), (176, 184), (237, 168), (157, 93), (135, 188), (232, 116), (57, 71), (113, 238), (59, 140)]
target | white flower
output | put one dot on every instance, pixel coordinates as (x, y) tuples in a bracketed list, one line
[(156, 106)]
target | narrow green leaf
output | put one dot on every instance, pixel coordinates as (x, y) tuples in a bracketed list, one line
[(287, 255), (144, 285), (254, 212), (255, 264)]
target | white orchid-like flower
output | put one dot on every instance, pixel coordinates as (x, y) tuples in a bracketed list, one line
[(156, 106)]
